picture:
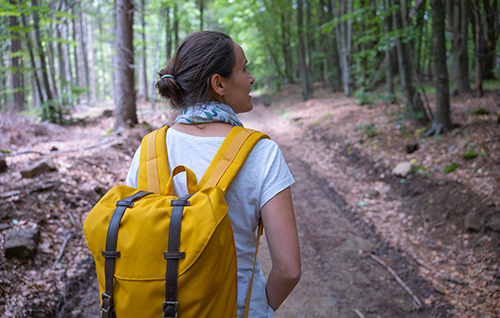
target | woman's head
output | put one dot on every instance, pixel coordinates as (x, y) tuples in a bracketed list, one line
[(200, 56)]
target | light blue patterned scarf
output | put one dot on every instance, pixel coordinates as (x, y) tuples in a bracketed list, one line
[(208, 113)]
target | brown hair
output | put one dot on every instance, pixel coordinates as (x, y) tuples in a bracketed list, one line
[(200, 56)]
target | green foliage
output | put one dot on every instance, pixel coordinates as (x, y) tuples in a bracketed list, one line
[(469, 155), (370, 130), (452, 167), (481, 111)]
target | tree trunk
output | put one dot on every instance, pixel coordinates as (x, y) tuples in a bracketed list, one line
[(329, 48), (176, 26), (307, 89), (156, 57), (38, 87), (51, 116), (17, 81), (85, 64), (45, 76), (50, 53), (64, 67), (169, 36), (310, 61), (479, 46), (420, 21), (76, 54), (125, 111), (388, 56), (457, 16), (413, 102), (144, 57), (285, 45), (493, 22), (343, 32), (442, 121), (201, 6), (103, 85), (91, 61)]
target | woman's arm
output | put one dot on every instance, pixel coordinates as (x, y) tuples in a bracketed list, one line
[(281, 233)]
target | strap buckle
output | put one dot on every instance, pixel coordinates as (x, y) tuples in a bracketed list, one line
[(170, 304), (106, 302)]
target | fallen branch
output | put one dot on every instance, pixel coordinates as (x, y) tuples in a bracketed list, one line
[(417, 302), (59, 151), (359, 313), (63, 246), (43, 187), (76, 226)]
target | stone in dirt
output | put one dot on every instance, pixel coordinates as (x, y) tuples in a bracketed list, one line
[(22, 243), (38, 167), (4, 226), (370, 193), (494, 223), (472, 221), (3, 165), (402, 169)]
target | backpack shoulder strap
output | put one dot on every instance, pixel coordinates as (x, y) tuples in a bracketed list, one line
[(153, 163), (230, 157)]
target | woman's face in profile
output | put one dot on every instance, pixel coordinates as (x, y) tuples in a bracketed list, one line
[(237, 92)]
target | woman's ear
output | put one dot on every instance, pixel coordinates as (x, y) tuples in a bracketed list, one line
[(218, 85)]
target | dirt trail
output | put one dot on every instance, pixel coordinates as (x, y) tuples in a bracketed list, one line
[(338, 276)]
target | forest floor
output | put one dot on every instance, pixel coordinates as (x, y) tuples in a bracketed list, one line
[(351, 210)]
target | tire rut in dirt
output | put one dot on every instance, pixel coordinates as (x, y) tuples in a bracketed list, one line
[(338, 277)]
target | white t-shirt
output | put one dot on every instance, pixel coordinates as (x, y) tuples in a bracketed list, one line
[(263, 175)]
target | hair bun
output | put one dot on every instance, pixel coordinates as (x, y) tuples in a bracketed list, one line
[(167, 85)]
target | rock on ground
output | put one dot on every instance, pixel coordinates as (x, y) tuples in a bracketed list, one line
[(38, 167), (21, 243), (402, 169)]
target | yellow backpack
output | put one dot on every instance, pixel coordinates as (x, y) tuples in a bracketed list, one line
[(158, 255)]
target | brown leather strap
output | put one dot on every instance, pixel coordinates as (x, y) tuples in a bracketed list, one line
[(260, 230), (110, 254), (170, 305)]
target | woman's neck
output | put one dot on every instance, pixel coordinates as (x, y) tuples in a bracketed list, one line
[(214, 129)]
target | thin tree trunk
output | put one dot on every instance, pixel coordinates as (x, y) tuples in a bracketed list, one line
[(413, 102), (125, 111), (388, 56), (17, 82), (66, 78), (85, 64), (45, 76), (91, 59), (37, 87), (76, 55), (285, 44), (169, 36), (492, 17), (50, 53), (310, 62), (457, 16), (201, 6), (307, 90), (103, 85), (479, 46), (442, 121), (176, 26), (144, 57), (343, 33), (156, 56)]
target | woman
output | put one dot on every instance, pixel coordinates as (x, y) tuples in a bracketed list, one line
[(208, 80)]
